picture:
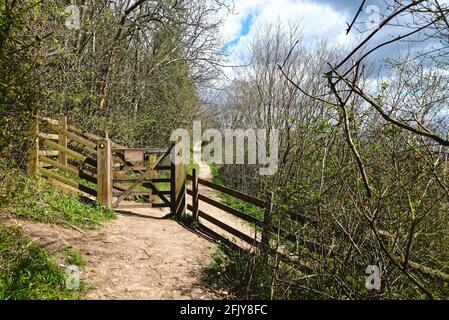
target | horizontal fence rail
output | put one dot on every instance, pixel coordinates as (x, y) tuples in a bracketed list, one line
[(239, 195)]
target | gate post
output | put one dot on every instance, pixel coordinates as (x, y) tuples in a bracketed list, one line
[(33, 156), (177, 183), (104, 172), (62, 139), (195, 197), (267, 223)]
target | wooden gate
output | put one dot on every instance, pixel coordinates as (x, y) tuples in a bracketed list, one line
[(116, 176), (141, 174)]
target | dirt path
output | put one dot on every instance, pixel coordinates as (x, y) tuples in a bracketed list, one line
[(141, 254), (137, 256)]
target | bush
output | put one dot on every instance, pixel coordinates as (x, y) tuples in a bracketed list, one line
[(28, 271)]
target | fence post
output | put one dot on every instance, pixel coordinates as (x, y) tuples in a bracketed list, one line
[(177, 184), (33, 157), (172, 182), (266, 232), (104, 172), (62, 139), (195, 194)]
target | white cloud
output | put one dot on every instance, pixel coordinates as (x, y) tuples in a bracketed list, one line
[(317, 21)]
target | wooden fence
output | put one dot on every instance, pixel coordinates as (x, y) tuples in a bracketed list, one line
[(103, 170), (268, 229)]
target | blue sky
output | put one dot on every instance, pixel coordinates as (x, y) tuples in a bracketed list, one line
[(245, 28), (318, 18)]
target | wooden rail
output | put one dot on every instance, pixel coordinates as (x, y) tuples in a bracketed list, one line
[(197, 213), (66, 148), (233, 193), (56, 143)]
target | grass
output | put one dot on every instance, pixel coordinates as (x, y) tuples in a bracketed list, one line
[(73, 257), (27, 271), (76, 178), (37, 199)]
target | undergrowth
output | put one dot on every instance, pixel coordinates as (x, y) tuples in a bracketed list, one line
[(37, 199), (27, 271)]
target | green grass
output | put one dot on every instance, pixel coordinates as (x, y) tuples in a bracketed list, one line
[(76, 178), (73, 257), (28, 272), (37, 199), (212, 275)]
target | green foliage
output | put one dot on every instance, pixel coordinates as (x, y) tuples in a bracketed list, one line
[(231, 271), (37, 199), (73, 257), (212, 275), (27, 271), (185, 219)]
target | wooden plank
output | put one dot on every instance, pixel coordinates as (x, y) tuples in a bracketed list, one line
[(89, 161), (161, 205), (172, 188), (134, 155), (133, 206), (139, 193), (195, 195), (73, 154), (234, 193), (45, 165), (49, 136), (85, 134), (132, 168), (133, 193), (139, 168), (68, 182), (49, 120), (148, 180), (181, 201), (61, 131), (228, 229), (48, 153), (162, 168), (59, 165), (69, 168), (230, 210), (145, 150)]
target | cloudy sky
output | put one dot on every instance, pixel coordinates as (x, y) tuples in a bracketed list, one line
[(318, 19)]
